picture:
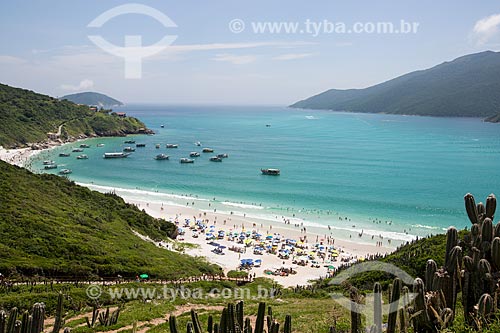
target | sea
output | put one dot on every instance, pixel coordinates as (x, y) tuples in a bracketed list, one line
[(388, 176)]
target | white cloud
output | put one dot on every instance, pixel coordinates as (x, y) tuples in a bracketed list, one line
[(235, 59), (486, 28), (10, 60), (84, 85), (292, 56)]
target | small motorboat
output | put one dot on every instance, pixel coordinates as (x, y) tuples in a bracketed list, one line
[(48, 162), (215, 159), (186, 160), (171, 145), (115, 155), (161, 157), (128, 149), (84, 146), (82, 157), (64, 154), (100, 145), (270, 172), (129, 141), (194, 154), (208, 150), (65, 172), (50, 166), (223, 155), (77, 150), (162, 126), (140, 145), (157, 146), (198, 143)]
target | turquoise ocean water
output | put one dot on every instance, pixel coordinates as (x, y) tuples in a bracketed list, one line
[(413, 171)]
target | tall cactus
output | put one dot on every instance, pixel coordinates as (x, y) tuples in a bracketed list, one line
[(395, 295), (58, 320)]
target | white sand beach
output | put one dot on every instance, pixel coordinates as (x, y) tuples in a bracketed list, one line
[(230, 260)]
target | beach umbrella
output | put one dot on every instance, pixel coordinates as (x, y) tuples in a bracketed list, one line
[(144, 276)]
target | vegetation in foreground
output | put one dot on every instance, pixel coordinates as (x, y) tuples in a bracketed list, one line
[(51, 227), (27, 117)]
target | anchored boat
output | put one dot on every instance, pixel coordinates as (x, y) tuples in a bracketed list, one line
[(160, 157), (115, 155), (271, 172), (208, 150), (186, 160), (171, 145), (194, 154)]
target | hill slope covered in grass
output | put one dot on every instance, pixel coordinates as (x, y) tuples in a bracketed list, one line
[(465, 87), (52, 227), (27, 117), (92, 98)]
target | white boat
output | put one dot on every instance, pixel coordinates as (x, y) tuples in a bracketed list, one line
[(223, 155), (82, 157), (100, 145), (48, 162), (271, 172), (215, 159), (115, 155), (198, 143), (128, 149), (171, 145), (65, 172), (157, 146), (160, 157), (84, 146), (77, 150), (50, 166), (64, 154), (186, 160), (194, 154)]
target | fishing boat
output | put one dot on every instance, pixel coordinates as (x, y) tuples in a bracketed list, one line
[(100, 145), (64, 154), (65, 172), (194, 154), (157, 146), (82, 157), (223, 155), (50, 166), (48, 162), (160, 157), (162, 126), (115, 155), (140, 145), (171, 145), (77, 150), (129, 141), (84, 146), (128, 149), (186, 160), (208, 150), (215, 159), (271, 172), (198, 143)]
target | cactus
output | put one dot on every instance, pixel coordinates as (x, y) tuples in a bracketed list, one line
[(58, 320), (471, 208), (491, 206), (355, 316), (377, 307), (394, 304), (430, 270)]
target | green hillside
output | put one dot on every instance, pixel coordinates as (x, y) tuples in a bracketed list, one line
[(27, 117), (465, 87), (92, 98), (51, 227)]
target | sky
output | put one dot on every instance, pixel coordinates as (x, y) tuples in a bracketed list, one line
[(232, 52)]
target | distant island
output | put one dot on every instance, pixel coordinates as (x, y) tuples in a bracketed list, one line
[(31, 119), (468, 86), (93, 99)]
